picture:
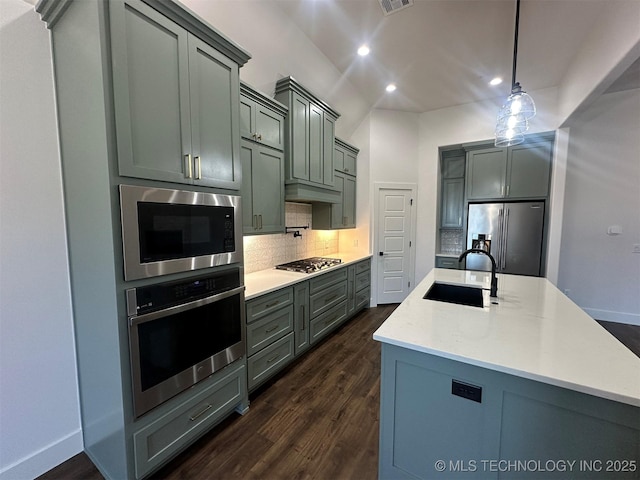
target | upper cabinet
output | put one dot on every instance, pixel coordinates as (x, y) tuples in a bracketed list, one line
[(261, 118), (341, 214), (452, 168), (176, 101), (262, 128), (309, 144), (519, 172)]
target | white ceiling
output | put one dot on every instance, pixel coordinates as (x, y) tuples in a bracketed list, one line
[(442, 53)]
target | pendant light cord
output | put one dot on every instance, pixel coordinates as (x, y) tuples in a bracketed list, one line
[(515, 46)]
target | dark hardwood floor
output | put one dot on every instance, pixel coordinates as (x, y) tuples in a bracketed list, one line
[(317, 420), (628, 335)]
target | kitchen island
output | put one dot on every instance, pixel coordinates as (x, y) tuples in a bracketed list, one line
[(527, 386)]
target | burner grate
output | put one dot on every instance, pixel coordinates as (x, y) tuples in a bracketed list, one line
[(310, 265)]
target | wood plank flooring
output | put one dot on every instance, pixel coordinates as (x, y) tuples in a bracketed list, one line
[(317, 420), (628, 335)]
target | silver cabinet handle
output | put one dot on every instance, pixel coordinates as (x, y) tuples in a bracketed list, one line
[(198, 168), (269, 305), (202, 412), (259, 137), (269, 330), (273, 358), (502, 191), (508, 188), (260, 217), (255, 222), (187, 166)]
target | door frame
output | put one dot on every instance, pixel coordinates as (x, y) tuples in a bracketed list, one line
[(377, 188)]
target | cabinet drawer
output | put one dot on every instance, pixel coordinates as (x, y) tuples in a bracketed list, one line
[(265, 304), (363, 280), (327, 298), (323, 281), (161, 439), (362, 298), (447, 262), (268, 329), (363, 266), (326, 322), (270, 360)]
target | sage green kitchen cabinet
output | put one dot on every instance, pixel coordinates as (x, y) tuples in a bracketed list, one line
[(448, 262), (529, 170), (486, 173), (262, 189), (309, 144), (330, 216), (301, 310), (176, 102), (262, 119), (262, 160), (345, 157), (452, 202), (518, 172), (270, 337)]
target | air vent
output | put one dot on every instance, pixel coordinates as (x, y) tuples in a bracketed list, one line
[(393, 6)]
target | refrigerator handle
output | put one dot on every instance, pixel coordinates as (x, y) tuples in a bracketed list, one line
[(505, 232), (498, 253)]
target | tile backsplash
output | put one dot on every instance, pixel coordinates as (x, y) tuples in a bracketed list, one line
[(267, 251), (451, 241)]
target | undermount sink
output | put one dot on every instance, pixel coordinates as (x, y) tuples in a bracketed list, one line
[(444, 292)]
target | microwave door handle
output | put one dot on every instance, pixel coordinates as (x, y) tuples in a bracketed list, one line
[(147, 317)]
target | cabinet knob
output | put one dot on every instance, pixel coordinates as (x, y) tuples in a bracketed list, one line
[(259, 136)]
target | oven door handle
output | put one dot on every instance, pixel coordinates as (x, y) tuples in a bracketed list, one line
[(146, 317)]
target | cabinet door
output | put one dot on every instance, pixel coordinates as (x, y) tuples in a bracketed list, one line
[(262, 189), (299, 143), (151, 93), (269, 127), (316, 167), (328, 144), (301, 317), (247, 117), (339, 158), (349, 202), (350, 162), (215, 94), (486, 173), (453, 167), (268, 189), (249, 221), (529, 170), (452, 202), (337, 209)]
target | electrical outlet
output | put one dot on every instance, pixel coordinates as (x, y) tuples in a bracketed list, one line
[(636, 248), (355, 242)]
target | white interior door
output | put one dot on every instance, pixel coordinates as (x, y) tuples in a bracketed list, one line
[(394, 241)]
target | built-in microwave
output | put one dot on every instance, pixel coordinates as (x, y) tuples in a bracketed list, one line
[(168, 231)]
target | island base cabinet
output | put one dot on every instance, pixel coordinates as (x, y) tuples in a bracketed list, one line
[(162, 438), (520, 428)]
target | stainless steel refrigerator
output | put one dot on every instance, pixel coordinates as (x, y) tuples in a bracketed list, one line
[(511, 232)]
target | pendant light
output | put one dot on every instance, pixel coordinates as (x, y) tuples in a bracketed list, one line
[(513, 117)]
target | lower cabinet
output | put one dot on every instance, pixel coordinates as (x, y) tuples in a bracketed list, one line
[(449, 262), (161, 438), (270, 337), (282, 325)]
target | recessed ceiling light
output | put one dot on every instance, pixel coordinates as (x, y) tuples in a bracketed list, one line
[(495, 81), (391, 87), (363, 51)]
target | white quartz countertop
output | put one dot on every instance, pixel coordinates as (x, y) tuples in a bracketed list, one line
[(270, 280), (533, 332)]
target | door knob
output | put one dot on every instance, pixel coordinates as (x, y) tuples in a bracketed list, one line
[(381, 253)]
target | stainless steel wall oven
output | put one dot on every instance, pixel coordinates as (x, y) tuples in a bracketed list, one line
[(181, 332), (169, 231)]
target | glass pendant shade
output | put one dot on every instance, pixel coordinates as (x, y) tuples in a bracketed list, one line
[(519, 105)]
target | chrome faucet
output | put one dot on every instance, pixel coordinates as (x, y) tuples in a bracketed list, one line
[(494, 279)]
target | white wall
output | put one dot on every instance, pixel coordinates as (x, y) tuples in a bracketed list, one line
[(599, 271), (39, 410)]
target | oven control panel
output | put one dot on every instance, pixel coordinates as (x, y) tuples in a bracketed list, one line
[(159, 296)]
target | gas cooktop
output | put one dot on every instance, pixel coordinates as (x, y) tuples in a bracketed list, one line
[(309, 265)]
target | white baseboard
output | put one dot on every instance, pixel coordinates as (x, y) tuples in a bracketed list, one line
[(44, 460), (609, 316)]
